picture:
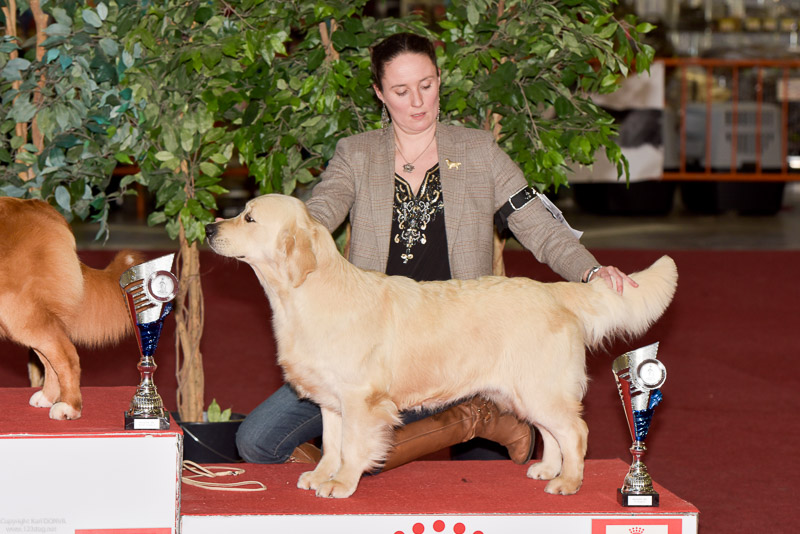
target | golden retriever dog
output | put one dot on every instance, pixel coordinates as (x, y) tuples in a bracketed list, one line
[(49, 300), (365, 346)]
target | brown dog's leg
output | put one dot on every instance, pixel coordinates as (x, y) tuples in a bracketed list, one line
[(50, 392), (62, 376), (35, 369)]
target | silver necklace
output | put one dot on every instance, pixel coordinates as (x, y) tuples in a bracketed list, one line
[(409, 165)]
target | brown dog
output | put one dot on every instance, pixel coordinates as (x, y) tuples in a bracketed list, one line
[(50, 300), (365, 346)]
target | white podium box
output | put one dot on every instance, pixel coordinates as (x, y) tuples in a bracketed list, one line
[(461, 497), (465, 524), (88, 475)]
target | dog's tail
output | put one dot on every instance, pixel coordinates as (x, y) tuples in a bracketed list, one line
[(605, 313), (103, 316)]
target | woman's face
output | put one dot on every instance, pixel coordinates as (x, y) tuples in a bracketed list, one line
[(410, 92)]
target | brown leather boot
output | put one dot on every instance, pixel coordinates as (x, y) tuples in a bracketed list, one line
[(305, 453), (474, 418)]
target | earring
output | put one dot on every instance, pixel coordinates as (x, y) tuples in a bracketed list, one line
[(384, 117)]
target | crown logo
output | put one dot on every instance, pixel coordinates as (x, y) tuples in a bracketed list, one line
[(636, 530)]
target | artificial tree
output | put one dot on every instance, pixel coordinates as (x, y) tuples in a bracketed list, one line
[(64, 117), (180, 56)]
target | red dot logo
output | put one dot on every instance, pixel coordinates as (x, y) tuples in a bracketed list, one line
[(439, 526)]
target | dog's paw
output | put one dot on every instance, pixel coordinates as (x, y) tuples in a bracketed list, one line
[(542, 471), (563, 486), (335, 490), (311, 480), (38, 400), (63, 411)]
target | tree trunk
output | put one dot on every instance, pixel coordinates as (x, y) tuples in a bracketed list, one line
[(189, 319), (498, 264), (40, 18)]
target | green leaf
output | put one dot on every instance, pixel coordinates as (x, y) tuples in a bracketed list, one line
[(206, 199), (213, 412), (304, 176), (58, 30), (174, 205), (51, 55), (123, 158), (472, 13), (12, 69), (173, 228), (645, 27), (61, 16), (210, 169), (22, 111), (196, 209), (91, 18), (63, 198), (109, 46), (220, 158), (563, 106)]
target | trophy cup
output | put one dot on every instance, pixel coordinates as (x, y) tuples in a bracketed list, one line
[(639, 375), (149, 287)]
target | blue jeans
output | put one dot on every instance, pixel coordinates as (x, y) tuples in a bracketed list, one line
[(271, 432)]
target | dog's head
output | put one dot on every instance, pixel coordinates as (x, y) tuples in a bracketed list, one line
[(274, 233)]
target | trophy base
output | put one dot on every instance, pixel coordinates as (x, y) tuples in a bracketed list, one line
[(637, 499), (140, 422)]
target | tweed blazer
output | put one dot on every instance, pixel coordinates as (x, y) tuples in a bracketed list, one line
[(477, 178)]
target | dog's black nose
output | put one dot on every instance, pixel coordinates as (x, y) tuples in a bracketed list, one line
[(211, 229)]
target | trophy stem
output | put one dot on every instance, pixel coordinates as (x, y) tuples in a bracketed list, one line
[(147, 408), (637, 488)]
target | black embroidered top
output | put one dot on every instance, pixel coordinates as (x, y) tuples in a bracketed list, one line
[(418, 247)]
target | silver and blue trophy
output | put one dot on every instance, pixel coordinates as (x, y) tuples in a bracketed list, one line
[(639, 376), (149, 289)]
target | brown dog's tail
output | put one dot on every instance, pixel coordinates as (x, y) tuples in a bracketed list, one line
[(606, 313), (103, 315)]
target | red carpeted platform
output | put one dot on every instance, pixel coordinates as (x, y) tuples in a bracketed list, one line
[(103, 414), (485, 496), (90, 475)]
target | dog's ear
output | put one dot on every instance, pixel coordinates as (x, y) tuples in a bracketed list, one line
[(300, 258)]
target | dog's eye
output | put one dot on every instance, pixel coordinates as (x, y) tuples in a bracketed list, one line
[(249, 219)]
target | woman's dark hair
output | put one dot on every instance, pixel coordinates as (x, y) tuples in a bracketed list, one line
[(394, 45)]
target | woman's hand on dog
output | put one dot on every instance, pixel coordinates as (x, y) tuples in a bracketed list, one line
[(614, 278)]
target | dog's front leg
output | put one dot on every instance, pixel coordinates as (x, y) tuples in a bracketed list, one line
[(331, 452), (366, 432)]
